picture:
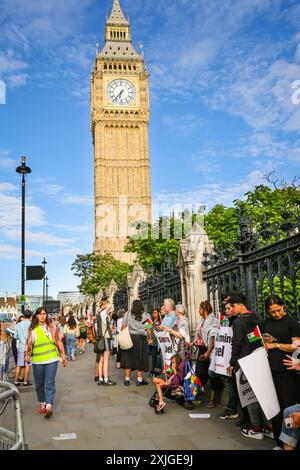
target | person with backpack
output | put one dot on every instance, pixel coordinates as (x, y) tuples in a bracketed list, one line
[(21, 333), (71, 332), (83, 326), (104, 330)]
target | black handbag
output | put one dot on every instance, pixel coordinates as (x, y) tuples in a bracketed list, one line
[(99, 346)]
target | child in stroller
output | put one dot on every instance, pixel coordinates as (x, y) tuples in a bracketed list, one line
[(171, 387)]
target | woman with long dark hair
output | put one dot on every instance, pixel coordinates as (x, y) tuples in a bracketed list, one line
[(137, 357), (283, 332), (71, 332), (43, 346)]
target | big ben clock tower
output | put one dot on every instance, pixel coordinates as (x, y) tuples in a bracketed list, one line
[(120, 121)]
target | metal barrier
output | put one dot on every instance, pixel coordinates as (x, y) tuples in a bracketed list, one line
[(10, 440)]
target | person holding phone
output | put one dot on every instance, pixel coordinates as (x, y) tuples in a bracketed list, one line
[(280, 332)]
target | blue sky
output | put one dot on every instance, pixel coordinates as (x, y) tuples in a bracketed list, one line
[(223, 112)]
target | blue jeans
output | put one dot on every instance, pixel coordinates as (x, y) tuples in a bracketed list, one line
[(71, 345), (44, 379), (290, 436)]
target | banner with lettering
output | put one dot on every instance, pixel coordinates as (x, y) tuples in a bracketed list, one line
[(245, 391), (166, 346), (222, 352)]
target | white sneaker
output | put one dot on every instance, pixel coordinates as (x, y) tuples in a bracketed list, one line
[(268, 433), (249, 432), (73, 356), (277, 448)]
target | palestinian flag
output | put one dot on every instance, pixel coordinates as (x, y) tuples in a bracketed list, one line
[(168, 369), (223, 319), (255, 335), (148, 324)]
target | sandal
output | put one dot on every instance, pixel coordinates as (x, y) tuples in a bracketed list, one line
[(211, 404), (160, 406)]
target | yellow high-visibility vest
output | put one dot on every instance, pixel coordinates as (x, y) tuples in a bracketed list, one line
[(44, 348)]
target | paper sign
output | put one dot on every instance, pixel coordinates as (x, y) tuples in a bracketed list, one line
[(166, 346), (222, 351), (257, 370), (64, 437), (203, 415), (246, 393)]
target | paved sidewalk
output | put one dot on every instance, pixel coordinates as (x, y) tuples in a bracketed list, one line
[(119, 418)]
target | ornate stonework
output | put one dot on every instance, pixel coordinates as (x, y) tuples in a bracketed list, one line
[(120, 121)]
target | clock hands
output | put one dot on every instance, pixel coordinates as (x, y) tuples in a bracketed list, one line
[(118, 96)]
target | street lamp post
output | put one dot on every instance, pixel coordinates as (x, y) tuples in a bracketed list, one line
[(47, 286), (23, 170), (44, 281)]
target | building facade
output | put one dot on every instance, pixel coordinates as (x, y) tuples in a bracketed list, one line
[(70, 297), (119, 125)]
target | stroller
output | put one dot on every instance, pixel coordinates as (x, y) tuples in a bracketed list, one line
[(175, 390)]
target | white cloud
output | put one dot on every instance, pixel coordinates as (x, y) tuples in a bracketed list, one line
[(10, 209), (38, 238), (77, 200), (12, 69), (208, 194), (9, 251), (183, 124), (74, 228), (5, 161), (61, 194)]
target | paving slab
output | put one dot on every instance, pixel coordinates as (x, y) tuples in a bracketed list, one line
[(120, 418)]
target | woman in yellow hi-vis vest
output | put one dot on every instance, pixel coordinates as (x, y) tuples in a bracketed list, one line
[(44, 346)]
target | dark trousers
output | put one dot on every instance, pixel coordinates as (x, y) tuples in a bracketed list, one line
[(154, 355), (201, 369), (233, 398), (14, 349), (287, 386)]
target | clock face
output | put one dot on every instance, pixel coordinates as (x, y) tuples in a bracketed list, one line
[(121, 92)]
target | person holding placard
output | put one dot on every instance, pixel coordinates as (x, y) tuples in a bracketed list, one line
[(280, 331), (243, 345), (205, 338)]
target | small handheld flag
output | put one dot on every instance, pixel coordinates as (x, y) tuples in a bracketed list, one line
[(148, 324), (255, 335)]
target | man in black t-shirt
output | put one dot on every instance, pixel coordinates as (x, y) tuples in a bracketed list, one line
[(245, 324)]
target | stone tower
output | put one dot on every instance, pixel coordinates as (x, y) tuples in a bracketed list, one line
[(120, 121)]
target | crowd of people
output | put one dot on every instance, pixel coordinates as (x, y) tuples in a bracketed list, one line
[(43, 342)]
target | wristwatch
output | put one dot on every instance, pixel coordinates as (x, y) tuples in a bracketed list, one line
[(277, 345)]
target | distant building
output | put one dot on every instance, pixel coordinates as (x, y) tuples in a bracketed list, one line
[(70, 297), (33, 302)]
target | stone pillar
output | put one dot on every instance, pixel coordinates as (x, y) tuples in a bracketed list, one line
[(133, 281), (113, 287), (194, 288)]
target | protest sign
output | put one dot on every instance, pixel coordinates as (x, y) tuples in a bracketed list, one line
[(222, 352), (257, 370), (246, 393), (166, 346)]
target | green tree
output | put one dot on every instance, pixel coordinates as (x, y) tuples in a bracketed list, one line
[(262, 204), (97, 271)]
